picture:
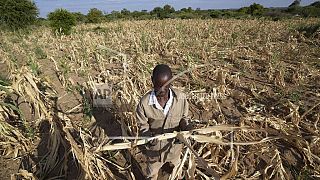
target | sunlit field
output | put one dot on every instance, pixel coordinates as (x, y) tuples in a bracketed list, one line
[(253, 89)]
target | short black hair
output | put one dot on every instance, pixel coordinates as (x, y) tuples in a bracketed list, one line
[(161, 70)]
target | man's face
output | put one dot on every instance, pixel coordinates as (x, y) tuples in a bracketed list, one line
[(158, 82)]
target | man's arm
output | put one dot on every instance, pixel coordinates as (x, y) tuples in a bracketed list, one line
[(143, 125), (142, 121), (184, 122)]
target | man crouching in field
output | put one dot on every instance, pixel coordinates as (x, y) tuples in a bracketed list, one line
[(162, 110)]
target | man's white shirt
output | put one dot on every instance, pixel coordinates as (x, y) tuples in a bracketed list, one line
[(154, 101)]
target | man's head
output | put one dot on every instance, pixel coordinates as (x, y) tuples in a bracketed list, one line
[(160, 75)]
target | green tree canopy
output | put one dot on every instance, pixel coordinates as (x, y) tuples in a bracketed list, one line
[(114, 15), (15, 14), (81, 18), (189, 9), (95, 16), (125, 12), (164, 12), (157, 11), (168, 9), (62, 21), (256, 9)]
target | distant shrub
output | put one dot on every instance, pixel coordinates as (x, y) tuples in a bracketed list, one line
[(158, 13), (168, 9), (315, 4), (80, 18), (16, 14), (276, 15), (186, 15), (309, 30), (62, 21), (313, 10), (254, 10), (215, 14), (244, 10), (95, 16), (310, 11), (125, 12), (114, 15)]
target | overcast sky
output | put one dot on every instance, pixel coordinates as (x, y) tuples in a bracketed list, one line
[(46, 6)]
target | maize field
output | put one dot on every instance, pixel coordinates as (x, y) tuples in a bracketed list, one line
[(253, 88)]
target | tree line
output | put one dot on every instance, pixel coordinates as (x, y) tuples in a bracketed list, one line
[(17, 14), (168, 12)]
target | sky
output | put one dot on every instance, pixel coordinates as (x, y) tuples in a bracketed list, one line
[(46, 6)]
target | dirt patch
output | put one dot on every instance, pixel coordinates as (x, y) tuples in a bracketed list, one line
[(8, 167)]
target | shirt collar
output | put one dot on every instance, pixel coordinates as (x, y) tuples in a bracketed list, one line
[(153, 101)]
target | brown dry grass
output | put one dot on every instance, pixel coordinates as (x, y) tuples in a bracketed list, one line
[(266, 72)]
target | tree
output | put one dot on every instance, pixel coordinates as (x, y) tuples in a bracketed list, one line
[(95, 16), (244, 10), (216, 14), (114, 15), (183, 10), (81, 18), (125, 12), (16, 14), (140, 14), (168, 9), (158, 11), (256, 9), (62, 21), (162, 13)]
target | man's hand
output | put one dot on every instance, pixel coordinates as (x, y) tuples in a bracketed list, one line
[(153, 142), (184, 126)]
